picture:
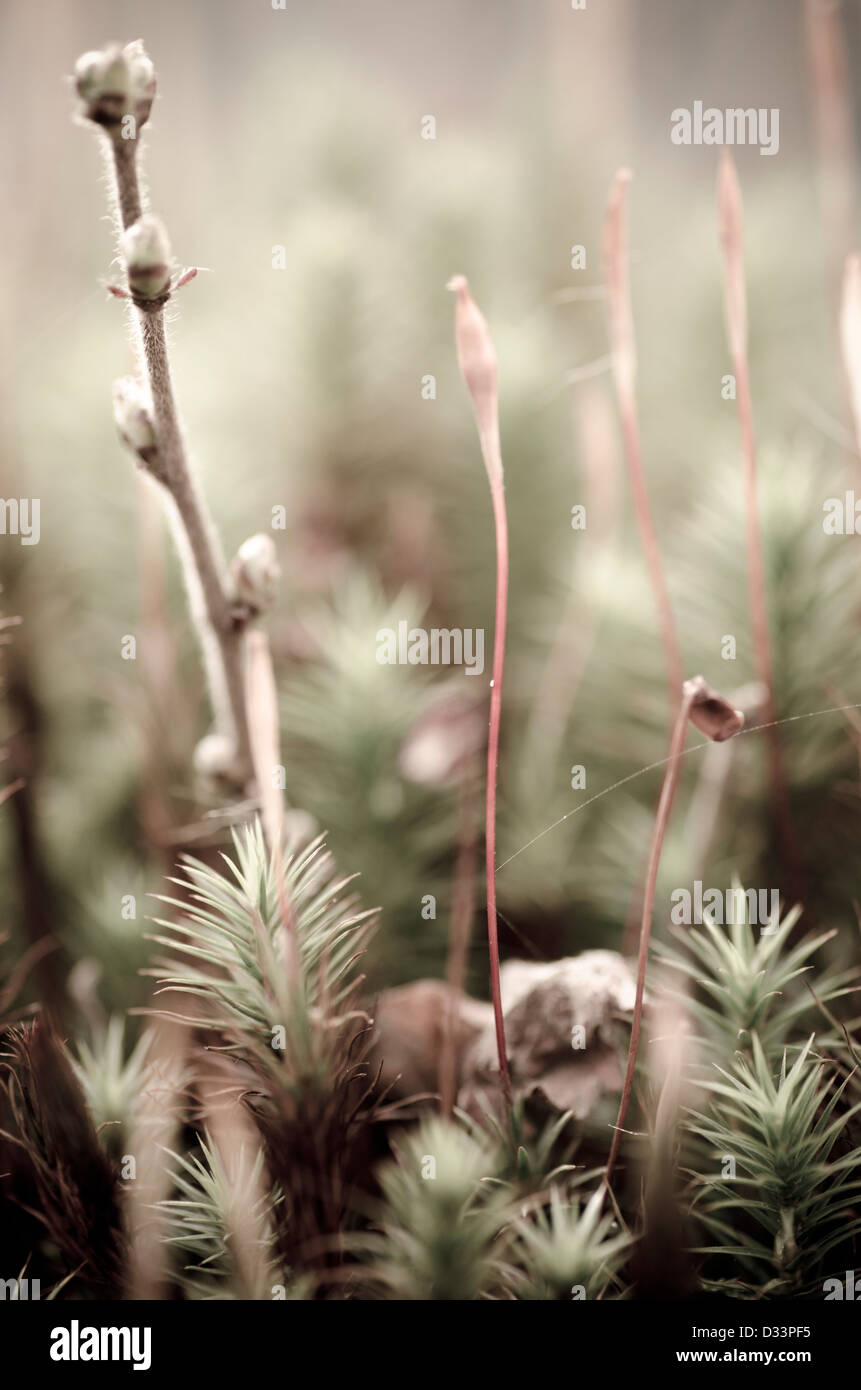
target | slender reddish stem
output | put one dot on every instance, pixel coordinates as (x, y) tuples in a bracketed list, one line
[(463, 907), (836, 146), (633, 454), (477, 361), (761, 640), (755, 563), (671, 777), (490, 449), (624, 357), (731, 226)]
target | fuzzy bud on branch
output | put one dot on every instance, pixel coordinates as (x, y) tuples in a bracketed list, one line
[(146, 252), (115, 83), (133, 414), (255, 571)]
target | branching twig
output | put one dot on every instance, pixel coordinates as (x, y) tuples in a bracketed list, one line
[(117, 87)]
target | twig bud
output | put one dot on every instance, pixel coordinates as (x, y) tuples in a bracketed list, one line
[(146, 252), (114, 83), (710, 712), (255, 571), (134, 419)]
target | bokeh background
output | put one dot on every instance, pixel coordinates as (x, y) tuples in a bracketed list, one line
[(302, 387)]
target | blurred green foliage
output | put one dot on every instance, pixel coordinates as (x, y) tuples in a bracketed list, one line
[(302, 388)]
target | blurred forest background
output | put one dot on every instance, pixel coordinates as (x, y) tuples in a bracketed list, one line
[(302, 387)]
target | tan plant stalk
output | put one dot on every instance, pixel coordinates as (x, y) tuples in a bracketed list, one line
[(477, 360), (265, 740), (624, 360), (575, 639), (155, 1128), (707, 798), (836, 146), (662, 1266), (836, 152), (731, 222), (850, 335), (623, 352), (265, 736), (713, 716), (461, 918), (236, 1144)]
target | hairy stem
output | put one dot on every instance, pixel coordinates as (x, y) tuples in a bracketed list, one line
[(222, 637), (226, 631), (125, 154)]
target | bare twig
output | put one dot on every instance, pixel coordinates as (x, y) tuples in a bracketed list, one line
[(118, 86), (125, 156), (225, 627)]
